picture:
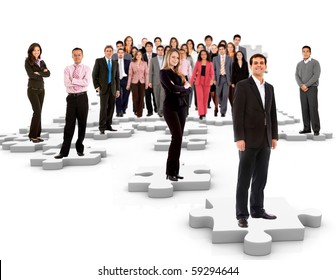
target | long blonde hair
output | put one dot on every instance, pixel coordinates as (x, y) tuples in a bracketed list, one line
[(166, 64)]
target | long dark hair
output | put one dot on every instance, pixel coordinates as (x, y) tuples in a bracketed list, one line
[(31, 58)]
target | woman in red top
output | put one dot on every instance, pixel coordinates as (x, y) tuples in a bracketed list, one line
[(203, 76)]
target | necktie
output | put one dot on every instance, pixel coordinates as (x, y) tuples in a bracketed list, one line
[(75, 75), (121, 69), (222, 69), (109, 71)]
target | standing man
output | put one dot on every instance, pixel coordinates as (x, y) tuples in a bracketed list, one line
[(105, 76), (154, 79), (236, 42), (255, 128), (122, 101), (208, 42), (76, 80), (149, 93), (222, 67), (307, 77)]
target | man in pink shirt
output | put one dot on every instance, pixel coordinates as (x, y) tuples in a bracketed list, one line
[(76, 80)]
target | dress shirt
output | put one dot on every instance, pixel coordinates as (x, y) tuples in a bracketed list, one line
[(185, 68), (261, 89), (81, 83), (160, 59), (307, 60), (122, 73)]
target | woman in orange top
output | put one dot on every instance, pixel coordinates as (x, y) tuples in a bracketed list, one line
[(202, 77)]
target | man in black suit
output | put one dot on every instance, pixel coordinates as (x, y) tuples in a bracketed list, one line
[(149, 91), (122, 101), (105, 76), (255, 128)]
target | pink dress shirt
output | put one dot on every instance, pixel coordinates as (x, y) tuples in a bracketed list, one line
[(81, 83), (185, 68)]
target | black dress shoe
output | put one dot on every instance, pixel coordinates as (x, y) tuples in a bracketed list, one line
[(316, 133), (242, 222), (102, 131), (149, 114), (264, 216), (171, 178), (80, 154), (179, 177), (222, 115), (59, 156), (304, 131), (109, 128)]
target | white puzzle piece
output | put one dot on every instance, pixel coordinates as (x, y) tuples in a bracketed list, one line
[(192, 142), (219, 215), (153, 180)]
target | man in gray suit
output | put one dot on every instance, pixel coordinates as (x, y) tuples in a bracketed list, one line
[(155, 66), (223, 69)]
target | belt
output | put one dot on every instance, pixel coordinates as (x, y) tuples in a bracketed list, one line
[(77, 93)]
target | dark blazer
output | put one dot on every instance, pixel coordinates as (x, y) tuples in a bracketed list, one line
[(176, 94), (126, 69), (36, 81), (146, 58), (249, 116), (100, 76), (239, 73)]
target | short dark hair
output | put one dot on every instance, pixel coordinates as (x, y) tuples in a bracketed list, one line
[(108, 47), (119, 42), (222, 45), (148, 43), (158, 38), (207, 37), (258, 55), (77, 49), (236, 36), (160, 46), (306, 47)]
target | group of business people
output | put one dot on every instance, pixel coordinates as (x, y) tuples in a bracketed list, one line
[(254, 112)]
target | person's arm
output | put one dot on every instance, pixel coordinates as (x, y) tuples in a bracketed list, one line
[(95, 73), (30, 72), (194, 74), (45, 71), (297, 75), (150, 75), (238, 112), (170, 85), (274, 121), (117, 80), (67, 78), (316, 74), (130, 75), (85, 80)]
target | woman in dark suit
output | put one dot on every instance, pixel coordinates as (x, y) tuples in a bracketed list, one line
[(36, 70), (240, 71), (175, 109)]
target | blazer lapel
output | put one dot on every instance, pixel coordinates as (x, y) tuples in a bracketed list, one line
[(267, 95), (256, 92)]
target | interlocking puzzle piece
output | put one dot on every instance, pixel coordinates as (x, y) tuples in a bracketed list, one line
[(91, 156), (253, 50), (287, 118), (55, 144), (150, 126), (120, 133), (21, 143), (192, 128), (219, 215), (50, 128), (296, 136), (5, 137), (219, 121), (189, 142), (153, 180)]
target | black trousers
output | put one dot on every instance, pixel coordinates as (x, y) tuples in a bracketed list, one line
[(175, 120), (107, 104), (77, 109), (253, 165), (122, 100), (36, 97), (148, 99), (309, 108)]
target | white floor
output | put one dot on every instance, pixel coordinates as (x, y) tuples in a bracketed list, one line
[(67, 224)]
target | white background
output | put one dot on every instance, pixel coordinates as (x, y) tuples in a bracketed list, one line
[(69, 223)]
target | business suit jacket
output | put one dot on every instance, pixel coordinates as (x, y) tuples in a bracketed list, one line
[(126, 69), (227, 65), (36, 81), (146, 58), (154, 71), (243, 50), (100, 76), (249, 116), (196, 76)]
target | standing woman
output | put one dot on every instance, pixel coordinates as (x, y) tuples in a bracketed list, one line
[(231, 51), (128, 44), (138, 82), (239, 71), (36, 70), (203, 77), (175, 109)]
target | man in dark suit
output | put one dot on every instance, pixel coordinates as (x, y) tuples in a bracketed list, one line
[(236, 42), (255, 128), (122, 101), (149, 91), (105, 76)]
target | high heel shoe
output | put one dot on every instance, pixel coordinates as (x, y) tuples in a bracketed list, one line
[(40, 139), (171, 178), (34, 140), (179, 177)]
